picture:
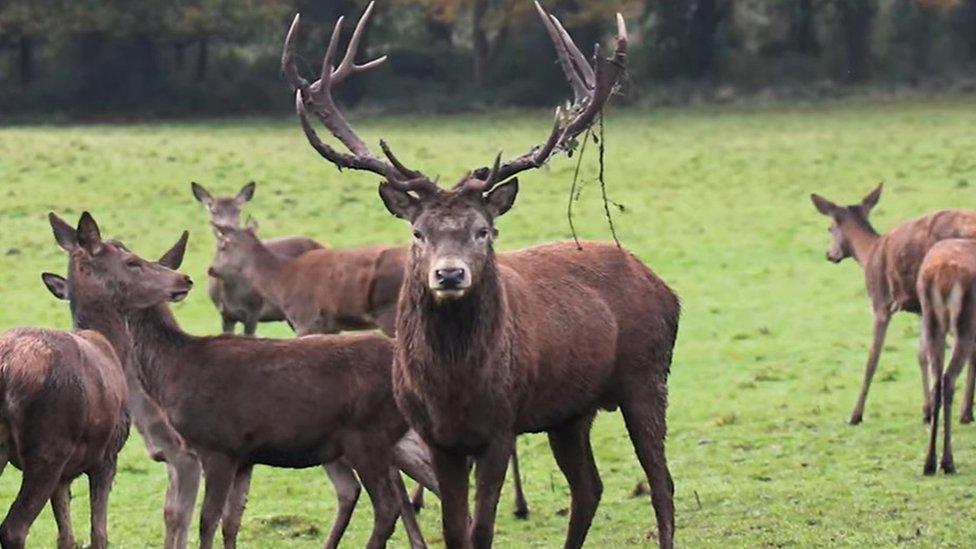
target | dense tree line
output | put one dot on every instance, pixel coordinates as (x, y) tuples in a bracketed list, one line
[(217, 56)]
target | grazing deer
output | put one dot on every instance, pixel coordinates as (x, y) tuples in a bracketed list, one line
[(890, 263), (234, 298), (239, 401), (538, 340), (947, 294), (62, 414), (162, 442)]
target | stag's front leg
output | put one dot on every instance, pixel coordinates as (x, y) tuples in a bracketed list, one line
[(881, 320), (489, 476), (451, 469)]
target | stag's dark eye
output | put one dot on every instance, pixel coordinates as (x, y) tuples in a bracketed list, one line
[(418, 235)]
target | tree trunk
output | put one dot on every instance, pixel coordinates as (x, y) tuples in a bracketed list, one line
[(857, 20), (25, 61), (202, 60), (481, 48)]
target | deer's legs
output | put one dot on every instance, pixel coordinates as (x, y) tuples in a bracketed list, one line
[(962, 349), (967, 402), (100, 485), (923, 366), (347, 492), (571, 448), (39, 481), (181, 495), (234, 507), (489, 478), (881, 320), (521, 506), (452, 478), (61, 506), (218, 473), (644, 408)]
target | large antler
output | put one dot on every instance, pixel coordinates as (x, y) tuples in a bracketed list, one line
[(317, 96), (591, 86)]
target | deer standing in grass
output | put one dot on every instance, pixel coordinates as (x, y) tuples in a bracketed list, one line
[(891, 263), (490, 346), (239, 401), (234, 298), (947, 294), (62, 414)]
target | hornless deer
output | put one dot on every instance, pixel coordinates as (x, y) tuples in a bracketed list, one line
[(890, 263), (329, 397), (62, 414), (947, 293), (234, 298), (162, 442), (538, 340)]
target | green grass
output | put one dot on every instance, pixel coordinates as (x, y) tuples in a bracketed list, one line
[(772, 339)]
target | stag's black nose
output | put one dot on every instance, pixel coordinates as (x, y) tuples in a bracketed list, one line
[(449, 278)]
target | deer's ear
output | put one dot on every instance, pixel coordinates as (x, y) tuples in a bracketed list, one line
[(501, 198), (200, 193), (88, 235), (64, 234), (823, 205), (173, 257), (246, 193), (871, 200), (56, 284), (400, 203)]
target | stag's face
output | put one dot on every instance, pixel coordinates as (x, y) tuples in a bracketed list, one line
[(842, 219), (453, 233), (224, 210), (107, 270)]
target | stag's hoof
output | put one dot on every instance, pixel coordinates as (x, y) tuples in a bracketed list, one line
[(855, 419), (522, 513)]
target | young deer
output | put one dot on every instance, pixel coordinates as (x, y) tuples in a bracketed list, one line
[(162, 443), (331, 396), (538, 340), (234, 298), (62, 414), (947, 294), (890, 263)]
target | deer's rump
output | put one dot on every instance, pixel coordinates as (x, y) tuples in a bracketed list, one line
[(902, 250), (62, 386)]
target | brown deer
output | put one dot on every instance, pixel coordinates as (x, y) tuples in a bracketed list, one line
[(890, 263), (62, 414), (538, 340), (324, 291), (234, 298), (947, 295), (330, 397), (162, 442)]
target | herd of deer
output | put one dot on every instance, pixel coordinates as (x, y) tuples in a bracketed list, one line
[(476, 347)]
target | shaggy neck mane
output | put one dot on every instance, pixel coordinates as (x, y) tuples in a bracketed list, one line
[(458, 331), (156, 338)]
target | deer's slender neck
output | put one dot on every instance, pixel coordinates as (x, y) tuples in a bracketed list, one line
[(157, 342), (104, 319), (862, 238)]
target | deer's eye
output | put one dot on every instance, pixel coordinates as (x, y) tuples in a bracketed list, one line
[(418, 235)]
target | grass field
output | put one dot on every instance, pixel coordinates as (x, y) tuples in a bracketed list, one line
[(772, 339)]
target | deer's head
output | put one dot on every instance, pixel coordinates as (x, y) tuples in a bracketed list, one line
[(453, 228), (105, 270), (843, 219), (224, 210)]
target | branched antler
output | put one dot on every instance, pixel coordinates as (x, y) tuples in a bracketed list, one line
[(591, 90), (317, 96)]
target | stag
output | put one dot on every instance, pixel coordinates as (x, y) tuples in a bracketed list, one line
[(490, 346), (62, 414), (331, 396), (891, 263), (235, 299), (947, 294)]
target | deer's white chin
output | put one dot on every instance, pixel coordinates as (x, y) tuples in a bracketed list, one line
[(441, 294)]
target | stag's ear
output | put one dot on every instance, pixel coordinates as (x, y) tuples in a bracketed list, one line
[(400, 203), (173, 257), (64, 234), (200, 193), (871, 200), (501, 198), (88, 235), (823, 205), (56, 284), (246, 193)]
